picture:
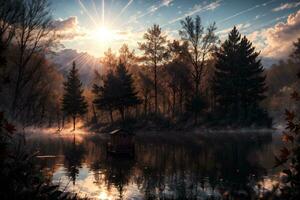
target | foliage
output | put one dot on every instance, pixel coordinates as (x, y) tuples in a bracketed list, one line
[(73, 103), (290, 153), (118, 92), (201, 44), (239, 82), (155, 52)]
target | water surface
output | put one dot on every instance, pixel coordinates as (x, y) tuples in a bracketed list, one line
[(172, 166)]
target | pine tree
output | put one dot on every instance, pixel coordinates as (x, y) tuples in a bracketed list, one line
[(117, 92), (106, 95), (239, 83), (74, 104), (155, 52), (127, 94)]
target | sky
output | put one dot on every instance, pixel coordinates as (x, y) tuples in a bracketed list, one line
[(93, 26)]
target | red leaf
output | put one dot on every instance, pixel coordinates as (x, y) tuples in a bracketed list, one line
[(10, 128)]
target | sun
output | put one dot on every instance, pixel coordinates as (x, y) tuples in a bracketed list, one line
[(103, 34)]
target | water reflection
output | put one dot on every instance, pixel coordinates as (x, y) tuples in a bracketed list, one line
[(196, 167)]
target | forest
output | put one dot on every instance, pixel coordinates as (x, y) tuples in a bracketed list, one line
[(172, 87)]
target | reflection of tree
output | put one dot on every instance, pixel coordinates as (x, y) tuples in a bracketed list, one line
[(192, 170), (73, 158), (118, 172)]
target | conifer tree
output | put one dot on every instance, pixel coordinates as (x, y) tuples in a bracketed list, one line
[(155, 52), (117, 93), (127, 94), (106, 95), (239, 82), (74, 104)]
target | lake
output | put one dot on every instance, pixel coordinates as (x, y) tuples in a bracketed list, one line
[(165, 166)]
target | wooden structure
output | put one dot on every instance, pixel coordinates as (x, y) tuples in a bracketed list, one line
[(121, 142)]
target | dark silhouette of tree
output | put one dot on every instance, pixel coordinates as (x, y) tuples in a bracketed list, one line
[(105, 95), (201, 44), (9, 14), (239, 81), (178, 75), (34, 35), (146, 85), (127, 94), (117, 93), (155, 51), (73, 103), (296, 54)]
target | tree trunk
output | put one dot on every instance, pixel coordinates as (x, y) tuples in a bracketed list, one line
[(145, 105), (111, 116), (121, 110), (94, 113), (174, 101), (74, 121), (155, 88)]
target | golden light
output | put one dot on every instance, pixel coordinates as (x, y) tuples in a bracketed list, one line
[(104, 34), (104, 196)]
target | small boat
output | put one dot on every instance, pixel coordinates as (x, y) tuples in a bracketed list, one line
[(121, 143)]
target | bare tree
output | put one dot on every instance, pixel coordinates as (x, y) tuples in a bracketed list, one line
[(34, 35), (9, 15), (155, 52), (201, 43)]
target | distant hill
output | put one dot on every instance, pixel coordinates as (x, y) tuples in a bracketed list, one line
[(86, 63)]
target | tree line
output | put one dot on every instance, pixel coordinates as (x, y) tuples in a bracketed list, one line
[(191, 79)]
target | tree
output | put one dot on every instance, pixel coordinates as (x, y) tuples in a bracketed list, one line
[(9, 14), (296, 53), (105, 95), (201, 44), (289, 157), (178, 74), (117, 92), (125, 55), (109, 60), (239, 81), (155, 51), (34, 35), (73, 103), (127, 96)]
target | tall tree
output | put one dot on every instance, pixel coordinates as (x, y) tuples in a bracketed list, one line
[(239, 80), (73, 103), (155, 51), (10, 11), (117, 92), (34, 35), (201, 44), (127, 96), (178, 74), (105, 95)]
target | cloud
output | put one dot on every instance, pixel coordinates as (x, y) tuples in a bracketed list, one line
[(69, 23), (276, 42), (224, 33), (245, 11), (68, 29), (197, 9), (286, 6), (150, 10)]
